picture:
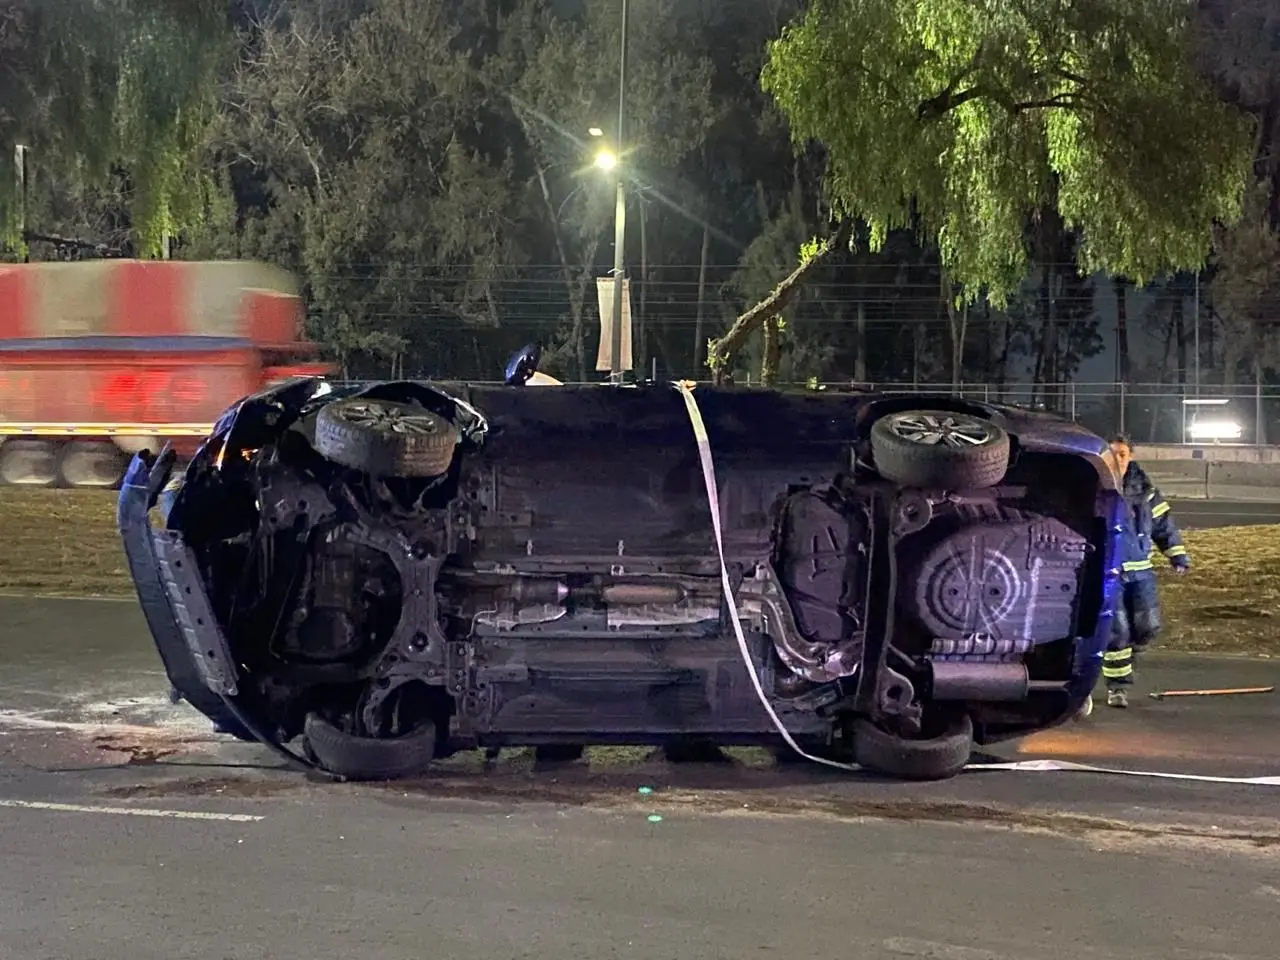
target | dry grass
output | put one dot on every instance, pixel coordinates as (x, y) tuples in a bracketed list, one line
[(61, 542), (64, 542), (1229, 602)]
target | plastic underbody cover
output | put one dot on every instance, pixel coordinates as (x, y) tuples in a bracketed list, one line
[(821, 566), (1018, 580)]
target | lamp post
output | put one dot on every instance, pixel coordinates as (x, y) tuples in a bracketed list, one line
[(619, 212)]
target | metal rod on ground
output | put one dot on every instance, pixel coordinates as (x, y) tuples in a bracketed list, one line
[(620, 213), (1230, 692)]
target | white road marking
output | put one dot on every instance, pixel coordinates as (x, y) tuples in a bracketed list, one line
[(131, 811)]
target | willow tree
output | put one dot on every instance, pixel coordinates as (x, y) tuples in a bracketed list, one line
[(108, 87), (967, 119)]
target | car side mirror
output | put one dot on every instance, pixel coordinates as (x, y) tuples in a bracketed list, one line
[(523, 365)]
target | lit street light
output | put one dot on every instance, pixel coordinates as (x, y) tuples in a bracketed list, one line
[(606, 160)]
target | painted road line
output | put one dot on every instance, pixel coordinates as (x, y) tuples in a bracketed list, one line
[(131, 811)]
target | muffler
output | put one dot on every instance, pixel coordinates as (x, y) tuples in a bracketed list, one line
[(958, 680)]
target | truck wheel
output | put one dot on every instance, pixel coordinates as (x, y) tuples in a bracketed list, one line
[(939, 449), (936, 758), (386, 439), (368, 758), (28, 463), (92, 464)]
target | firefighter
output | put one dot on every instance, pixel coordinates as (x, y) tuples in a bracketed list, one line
[(1150, 527)]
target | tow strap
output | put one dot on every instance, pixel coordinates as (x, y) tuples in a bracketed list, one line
[(713, 500)]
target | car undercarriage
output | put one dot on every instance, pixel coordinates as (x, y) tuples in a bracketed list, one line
[(392, 573)]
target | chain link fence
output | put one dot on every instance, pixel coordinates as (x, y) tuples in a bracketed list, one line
[(1149, 412)]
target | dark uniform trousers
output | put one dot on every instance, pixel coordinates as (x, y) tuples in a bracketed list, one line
[(1137, 622)]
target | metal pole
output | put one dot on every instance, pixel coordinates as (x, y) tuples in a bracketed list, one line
[(20, 170), (620, 212), (1195, 313), (1259, 431)]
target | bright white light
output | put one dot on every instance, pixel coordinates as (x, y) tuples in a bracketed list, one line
[(1215, 430), (596, 132), (606, 159)]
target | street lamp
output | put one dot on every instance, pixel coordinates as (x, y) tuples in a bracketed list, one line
[(607, 160)]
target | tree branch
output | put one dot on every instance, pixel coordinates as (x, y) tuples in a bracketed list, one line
[(948, 99), (935, 107), (1060, 100), (720, 352)]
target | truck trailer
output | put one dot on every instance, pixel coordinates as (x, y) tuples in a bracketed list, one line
[(100, 359)]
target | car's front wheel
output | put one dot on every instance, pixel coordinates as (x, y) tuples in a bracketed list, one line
[(386, 439), (937, 757), (369, 758)]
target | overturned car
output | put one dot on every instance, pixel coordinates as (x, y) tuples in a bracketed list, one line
[(389, 573)]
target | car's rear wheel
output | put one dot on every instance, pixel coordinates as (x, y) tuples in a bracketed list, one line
[(369, 758), (939, 449), (936, 757), (386, 439)]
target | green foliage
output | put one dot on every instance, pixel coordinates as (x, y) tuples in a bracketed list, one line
[(97, 88), (963, 118)]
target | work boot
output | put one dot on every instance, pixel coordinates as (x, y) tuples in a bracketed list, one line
[(1118, 697)]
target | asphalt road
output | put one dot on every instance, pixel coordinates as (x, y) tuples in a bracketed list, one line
[(119, 838), (388, 876)]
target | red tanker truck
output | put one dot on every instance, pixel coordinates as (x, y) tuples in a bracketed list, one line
[(99, 359)]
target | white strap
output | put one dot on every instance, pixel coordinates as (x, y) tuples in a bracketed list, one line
[(713, 499)]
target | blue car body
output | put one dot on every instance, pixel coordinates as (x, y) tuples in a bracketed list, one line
[(559, 583)]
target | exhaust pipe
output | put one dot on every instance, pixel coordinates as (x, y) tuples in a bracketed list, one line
[(957, 680)]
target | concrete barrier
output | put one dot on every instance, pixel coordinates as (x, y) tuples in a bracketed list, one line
[(1215, 453), (1213, 479)]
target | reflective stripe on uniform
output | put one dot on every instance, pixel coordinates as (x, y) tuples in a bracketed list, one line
[(1178, 551), (1117, 664), (1133, 566), (1160, 509)]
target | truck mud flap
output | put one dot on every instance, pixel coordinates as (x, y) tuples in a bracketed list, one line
[(188, 673)]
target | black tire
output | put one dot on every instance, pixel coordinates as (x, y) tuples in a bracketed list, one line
[(385, 439), (28, 463), (936, 758), (368, 758), (94, 465), (969, 453)]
